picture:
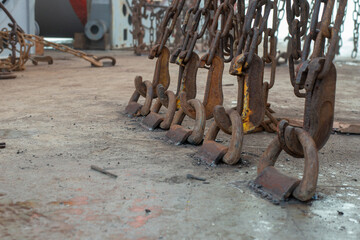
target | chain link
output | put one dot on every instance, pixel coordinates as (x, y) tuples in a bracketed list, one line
[(341, 28), (356, 19), (280, 14)]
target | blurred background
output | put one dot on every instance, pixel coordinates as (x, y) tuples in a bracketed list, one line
[(124, 24)]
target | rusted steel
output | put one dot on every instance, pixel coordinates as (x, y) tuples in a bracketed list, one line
[(317, 76), (213, 96), (35, 60), (178, 134), (152, 120), (251, 101), (188, 65), (233, 126), (211, 152), (169, 100), (138, 10), (6, 75), (110, 63), (213, 90), (252, 92), (184, 57), (278, 184), (103, 171), (20, 44), (147, 89), (200, 120)]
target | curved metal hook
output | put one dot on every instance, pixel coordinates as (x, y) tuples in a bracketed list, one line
[(306, 189), (198, 132)]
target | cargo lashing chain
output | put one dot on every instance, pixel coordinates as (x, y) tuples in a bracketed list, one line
[(138, 32), (282, 55), (9, 39), (252, 92), (19, 42), (94, 60), (342, 27), (356, 19), (28, 40), (214, 62), (161, 76), (188, 65), (317, 76)]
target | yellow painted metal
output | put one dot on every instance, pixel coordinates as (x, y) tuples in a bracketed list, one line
[(247, 112)]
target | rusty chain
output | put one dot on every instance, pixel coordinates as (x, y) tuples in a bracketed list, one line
[(356, 19), (220, 37), (316, 74), (167, 26), (280, 14), (152, 29), (20, 43), (190, 32), (297, 17), (341, 28)]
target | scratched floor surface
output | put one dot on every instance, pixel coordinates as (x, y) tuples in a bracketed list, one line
[(58, 120)]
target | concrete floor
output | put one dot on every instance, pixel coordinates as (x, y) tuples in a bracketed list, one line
[(59, 120)]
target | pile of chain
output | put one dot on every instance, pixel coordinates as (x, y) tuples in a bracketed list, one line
[(20, 43)]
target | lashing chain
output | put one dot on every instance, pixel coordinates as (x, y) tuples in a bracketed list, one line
[(188, 62), (221, 24), (20, 44), (252, 92), (161, 73), (356, 19), (317, 76)]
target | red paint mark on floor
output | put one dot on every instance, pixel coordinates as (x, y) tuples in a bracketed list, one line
[(71, 211), (76, 201), (140, 220)]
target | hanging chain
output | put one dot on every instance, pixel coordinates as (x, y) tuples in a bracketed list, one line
[(280, 14), (152, 29), (311, 11), (190, 31), (341, 27), (220, 37), (167, 26), (356, 19)]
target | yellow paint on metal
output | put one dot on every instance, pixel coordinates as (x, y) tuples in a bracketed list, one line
[(182, 88), (179, 61), (239, 69), (247, 112)]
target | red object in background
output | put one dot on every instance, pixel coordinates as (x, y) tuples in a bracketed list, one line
[(80, 9)]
